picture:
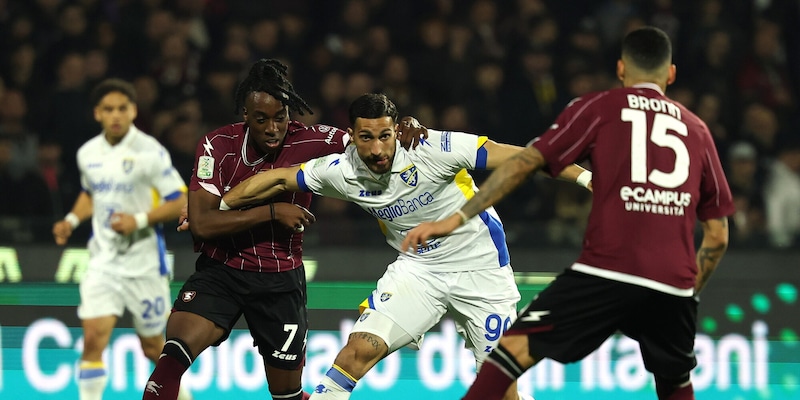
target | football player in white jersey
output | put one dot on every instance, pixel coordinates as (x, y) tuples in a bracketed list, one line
[(121, 169), (466, 274)]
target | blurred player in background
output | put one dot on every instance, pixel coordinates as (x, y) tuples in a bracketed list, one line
[(656, 172), (467, 274), (120, 169), (251, 261)]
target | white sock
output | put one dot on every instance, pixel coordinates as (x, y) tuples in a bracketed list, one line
[(336, 385), (92, 379), (184, 393), (523, 396)]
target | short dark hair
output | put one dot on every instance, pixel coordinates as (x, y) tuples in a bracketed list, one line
[(269, 76), (649, 48), (372, 105), (112, 85)]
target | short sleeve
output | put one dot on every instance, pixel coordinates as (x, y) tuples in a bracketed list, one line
[(164, 177), (324, 176), (716, 200), (450, 152), (569, 139)]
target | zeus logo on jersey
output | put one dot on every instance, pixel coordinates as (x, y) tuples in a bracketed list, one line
[(534, 316), (403, 207), (368, 193)]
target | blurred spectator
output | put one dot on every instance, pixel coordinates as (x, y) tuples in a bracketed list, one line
[(760, 126), (763, 76), (782, 194), (23, 195), (396, 84), (14, 127)]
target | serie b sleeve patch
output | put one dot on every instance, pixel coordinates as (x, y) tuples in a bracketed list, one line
[(205, 167)]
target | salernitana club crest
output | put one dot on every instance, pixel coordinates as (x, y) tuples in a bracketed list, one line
[(410, 175), (127, 165)]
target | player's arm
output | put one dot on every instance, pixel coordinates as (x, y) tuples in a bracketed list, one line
[(502, 181), (81, 211), (498, 153), (712, 248), (262, 186)]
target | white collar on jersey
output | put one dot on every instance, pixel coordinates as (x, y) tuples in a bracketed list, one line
[(244, 150), (129, 137), (649, 85)]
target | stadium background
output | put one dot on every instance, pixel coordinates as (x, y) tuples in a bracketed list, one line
[(499, 68)]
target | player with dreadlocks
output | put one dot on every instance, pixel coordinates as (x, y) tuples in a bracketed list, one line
[(251, 260)]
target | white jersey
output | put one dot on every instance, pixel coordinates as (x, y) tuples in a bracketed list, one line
[(425, 184), (130, 177)]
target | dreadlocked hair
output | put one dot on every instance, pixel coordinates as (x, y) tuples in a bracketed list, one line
[(269, 75)]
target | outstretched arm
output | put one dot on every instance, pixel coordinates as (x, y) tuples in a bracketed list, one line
[(498, 153), (262, 186), (715, 242), (507, 177)]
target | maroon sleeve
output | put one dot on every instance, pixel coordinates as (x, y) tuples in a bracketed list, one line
[(568, 140), (207, 158), (335, 138), (716, 200)]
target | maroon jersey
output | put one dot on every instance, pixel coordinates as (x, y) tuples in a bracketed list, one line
[(223, 159), (655, 172)]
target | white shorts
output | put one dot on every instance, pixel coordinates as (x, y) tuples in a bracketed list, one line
[(147, 298), (482, 303)]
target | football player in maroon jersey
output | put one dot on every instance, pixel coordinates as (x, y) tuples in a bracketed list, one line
[(655, 174)]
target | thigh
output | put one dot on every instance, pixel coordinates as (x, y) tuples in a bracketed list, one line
[(411, 296), (276, 313), (665, 328), (483, 304), (100, 296), (147, 299), (211, 292), (574, 315)]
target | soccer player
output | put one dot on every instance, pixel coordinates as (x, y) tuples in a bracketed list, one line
[(467, 274), (251, 261), (656, 172), (120, 168)]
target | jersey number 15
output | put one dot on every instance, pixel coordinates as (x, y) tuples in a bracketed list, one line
[(664, 134)]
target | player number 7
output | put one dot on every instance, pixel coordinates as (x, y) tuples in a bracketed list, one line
[(292, 329), (664, 134)]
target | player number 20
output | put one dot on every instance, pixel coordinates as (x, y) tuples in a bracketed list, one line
[(664, 134)]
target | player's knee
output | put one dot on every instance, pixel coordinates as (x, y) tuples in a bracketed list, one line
[(152, 350), (672, 381)]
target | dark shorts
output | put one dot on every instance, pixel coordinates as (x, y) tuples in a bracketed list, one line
[(273, 304), (577, 312)]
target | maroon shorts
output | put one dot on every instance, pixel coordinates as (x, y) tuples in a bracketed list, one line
[(577, 312), (273, 304)]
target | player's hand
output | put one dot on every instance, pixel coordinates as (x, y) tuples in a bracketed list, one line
[(420, 235), (183, 220), (62, 230), (122, 223), (410, 132), (295, 217)]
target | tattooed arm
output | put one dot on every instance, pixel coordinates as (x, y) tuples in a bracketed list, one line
[(715, 242), (503, 180)]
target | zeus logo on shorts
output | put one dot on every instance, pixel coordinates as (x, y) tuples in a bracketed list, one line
[(188, 296), (283, 356)]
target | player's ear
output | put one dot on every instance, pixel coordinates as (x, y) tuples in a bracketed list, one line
[(673, 70), (97, 114), (620, 69)]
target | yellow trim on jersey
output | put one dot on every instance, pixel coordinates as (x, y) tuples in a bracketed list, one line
[(363, 306), (156, 198), (338, 368), (482, 140), (383, 227), (465, 183)]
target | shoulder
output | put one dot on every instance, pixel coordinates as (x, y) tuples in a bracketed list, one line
[(299, 131), (224, 137), (90, 146)]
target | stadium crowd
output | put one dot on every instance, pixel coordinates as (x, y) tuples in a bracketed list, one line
[(501, 69)]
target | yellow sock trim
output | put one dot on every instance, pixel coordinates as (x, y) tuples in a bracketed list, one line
[(92, 365), (338, 368)]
